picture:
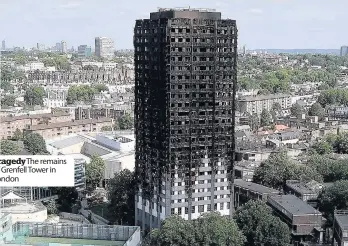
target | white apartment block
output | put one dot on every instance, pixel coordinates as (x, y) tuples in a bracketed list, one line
[(32, 66), (255, 104), (104, 47)]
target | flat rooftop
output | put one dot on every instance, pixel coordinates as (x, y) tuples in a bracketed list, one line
[(185, 13), (254, 187), (68, 123), (33, 116), (37, 241), (303, 189), (263, 97), (23, 208), (342, 220), (292, 205)]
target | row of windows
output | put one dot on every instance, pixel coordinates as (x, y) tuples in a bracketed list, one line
[(208, 30), (207, 181), (202, 147), (203, 173), (202, 49), (199, 40), (195, 68), (201, 198), (199, 58), (201, 208), (201, 113)]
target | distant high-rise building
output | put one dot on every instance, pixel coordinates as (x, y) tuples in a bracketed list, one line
[(185, 87), (40, 46), (104, 47), (344, 50), (58, 47), (64, 47), (3, 45), (84, 51)]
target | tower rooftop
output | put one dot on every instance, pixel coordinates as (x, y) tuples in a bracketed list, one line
[(185, 13)]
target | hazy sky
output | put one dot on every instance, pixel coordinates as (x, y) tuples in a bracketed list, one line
[(261, 23)]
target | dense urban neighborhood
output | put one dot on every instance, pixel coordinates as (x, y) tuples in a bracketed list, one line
[(189, 139)]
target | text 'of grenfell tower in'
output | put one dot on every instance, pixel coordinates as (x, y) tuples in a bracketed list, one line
[(185, 83)]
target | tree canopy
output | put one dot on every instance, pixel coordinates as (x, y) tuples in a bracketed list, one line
[(265, 118), (8, 100), (333, 197), (83, 93), (329, 168), (254, 121), (8, 147), (260, 226), (124, 122), (317, 110), (278, 168), (122, 198), (67, 197), (296, 110), (95, 171), (34, 95), (210, 229), (35, 144)]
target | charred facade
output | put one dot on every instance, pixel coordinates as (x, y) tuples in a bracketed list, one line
[(185, 84)]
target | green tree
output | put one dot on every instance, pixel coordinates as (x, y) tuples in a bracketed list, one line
[(322, 148), (278, 168), (17, 135), (317, 110), (35, 144), (174, 231), (333, 197), (8, 100), (100, 87), (106, 129), (214, 229), (126, 122), (266, 118), (296, 110), (95, 171), (254, 121), (209, 229), (260, 226), (122, 198), (329, 168), (67, 197), (34, 95), (83, 93), (52, 207), (277, 108), (8, 147)]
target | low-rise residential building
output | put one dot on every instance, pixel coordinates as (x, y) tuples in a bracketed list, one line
[(340, 228), (245, 191), (8, 125), (304, 221), (307, 192), (68, 127), (113, 111), (255, 104)]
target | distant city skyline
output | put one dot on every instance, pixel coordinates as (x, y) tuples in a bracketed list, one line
[(262, 24)]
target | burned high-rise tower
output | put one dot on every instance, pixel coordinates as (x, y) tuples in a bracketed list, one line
[(185, 84)]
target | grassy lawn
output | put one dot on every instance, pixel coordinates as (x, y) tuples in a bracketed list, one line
[(101, 210)]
